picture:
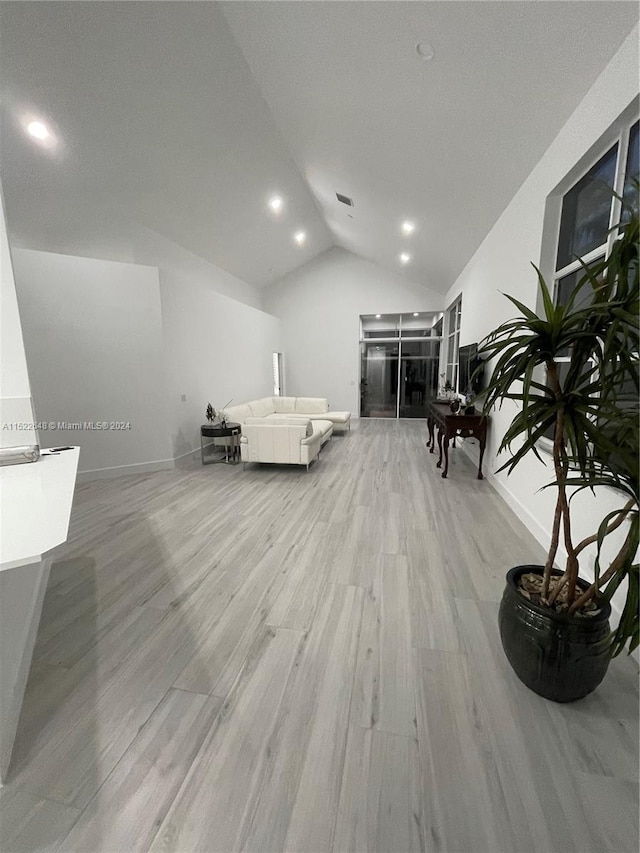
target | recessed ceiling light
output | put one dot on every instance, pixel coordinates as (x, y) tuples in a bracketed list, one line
[(405, 257), (425, 50), (275, 203), (415, 314), (300, 237), (38, 130), (378, 316), (408, 227)]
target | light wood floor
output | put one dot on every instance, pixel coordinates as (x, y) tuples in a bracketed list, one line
[(280, 660)]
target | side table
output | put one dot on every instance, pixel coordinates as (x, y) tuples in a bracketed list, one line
[(449, 425), (231, 432)]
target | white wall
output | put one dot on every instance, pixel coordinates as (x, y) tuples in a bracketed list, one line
[(154, 249), (320, 306), (217, 342), (215, 350), (15, 392), (109, 341), (93, 337), (502, 264)]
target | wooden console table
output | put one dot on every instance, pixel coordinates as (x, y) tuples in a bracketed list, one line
[(449, 426)]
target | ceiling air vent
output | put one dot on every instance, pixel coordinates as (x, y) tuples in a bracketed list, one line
[(345, 199)]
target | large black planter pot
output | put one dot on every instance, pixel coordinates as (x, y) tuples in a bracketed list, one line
[(559, 657)]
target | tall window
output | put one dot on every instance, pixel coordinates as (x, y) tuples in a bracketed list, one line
[(454, 317), (277, 375), (589, 210)]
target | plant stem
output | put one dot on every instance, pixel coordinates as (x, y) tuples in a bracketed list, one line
[(623, 513), (553, 548), (559, 586), (561, 466), (614, 567)]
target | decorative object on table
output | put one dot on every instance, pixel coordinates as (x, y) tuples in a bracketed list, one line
[(454, 405), (446, 390), (222, 413), (212, 414), (554, 626), (469, 396)]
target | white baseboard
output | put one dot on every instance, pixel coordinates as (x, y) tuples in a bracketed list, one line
[(123, 470), (530, 521), (194, 452)]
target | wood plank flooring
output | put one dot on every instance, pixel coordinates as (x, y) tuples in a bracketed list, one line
[(274, 660)]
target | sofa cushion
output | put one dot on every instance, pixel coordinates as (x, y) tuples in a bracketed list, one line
[(340, 417), (288, 420), (238, 414), (311, 405), (323, 428), (284, 405), (261, 408)]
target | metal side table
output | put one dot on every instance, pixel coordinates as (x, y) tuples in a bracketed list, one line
[(231, 432)]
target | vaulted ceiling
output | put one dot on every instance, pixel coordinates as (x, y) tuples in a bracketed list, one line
[(186, 118)]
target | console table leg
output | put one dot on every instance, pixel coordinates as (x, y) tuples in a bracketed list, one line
[(446, 456), (431, 442), (439, 462), (482, 445)]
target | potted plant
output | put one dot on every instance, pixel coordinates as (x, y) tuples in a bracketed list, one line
[(573, 372)]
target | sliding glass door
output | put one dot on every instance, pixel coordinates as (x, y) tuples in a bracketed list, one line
[(379, 379), (418, 377), (399, 358)]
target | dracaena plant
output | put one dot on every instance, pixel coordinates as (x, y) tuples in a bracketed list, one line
[(590, 407)]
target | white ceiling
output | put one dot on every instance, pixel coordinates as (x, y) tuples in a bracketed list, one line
[(186, 117)]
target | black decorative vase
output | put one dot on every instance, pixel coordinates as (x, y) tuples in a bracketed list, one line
[(560, 657)]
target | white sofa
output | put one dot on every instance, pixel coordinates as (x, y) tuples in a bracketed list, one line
[(286, 429)]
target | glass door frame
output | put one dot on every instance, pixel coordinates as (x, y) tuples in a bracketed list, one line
[(376, 342), (396, 339)]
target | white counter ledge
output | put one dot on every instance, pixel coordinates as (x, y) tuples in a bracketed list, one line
[(35, 507)]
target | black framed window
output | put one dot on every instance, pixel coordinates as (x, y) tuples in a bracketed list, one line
[(632, 171), (589, 209), (586, 211), (454, 315)]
